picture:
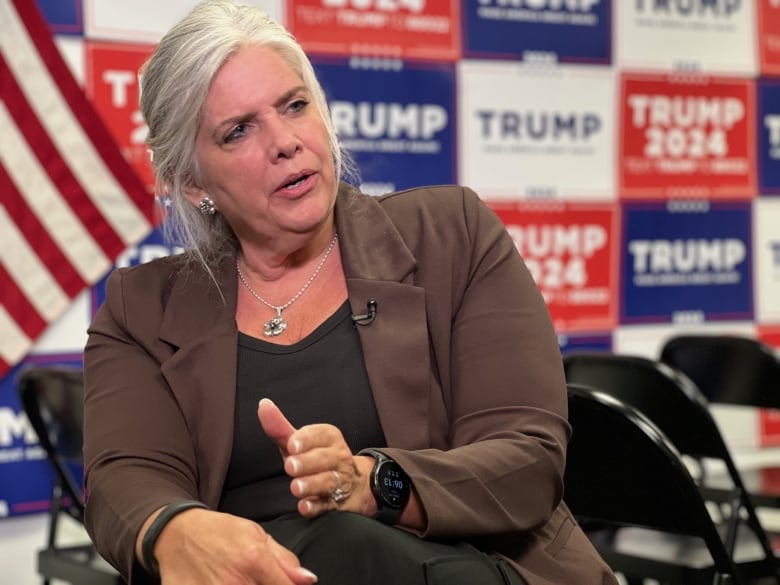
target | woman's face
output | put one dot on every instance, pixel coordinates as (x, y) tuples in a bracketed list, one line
[(263, 150)]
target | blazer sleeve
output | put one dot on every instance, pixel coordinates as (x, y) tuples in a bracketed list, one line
[(138, 453), (501, 376)]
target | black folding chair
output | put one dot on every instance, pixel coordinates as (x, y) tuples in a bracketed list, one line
[(623, 473), (680, 411), (52, 398), (728, 369)]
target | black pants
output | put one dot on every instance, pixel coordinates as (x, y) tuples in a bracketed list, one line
[(342, 548)]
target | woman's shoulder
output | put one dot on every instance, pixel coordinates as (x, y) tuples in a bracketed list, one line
[(159, 269), (452, 204), (158, 276), (431, 196), (443, 212)]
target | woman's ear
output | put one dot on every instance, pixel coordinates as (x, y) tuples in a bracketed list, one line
[(194, 194)]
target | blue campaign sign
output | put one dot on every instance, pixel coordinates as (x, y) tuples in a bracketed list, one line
[(26, 477), (63, 16), (685, 262), (154, 246), (585, 343), (395, 118), (768, 132), (579, 31)]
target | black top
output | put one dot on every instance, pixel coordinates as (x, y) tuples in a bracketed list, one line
[(320, 379)]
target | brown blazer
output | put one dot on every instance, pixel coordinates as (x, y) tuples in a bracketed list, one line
[(463, 363)]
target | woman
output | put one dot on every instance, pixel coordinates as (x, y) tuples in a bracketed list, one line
[(409, 382)]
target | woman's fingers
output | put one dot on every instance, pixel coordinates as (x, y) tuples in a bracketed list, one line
[(317, 458), (275, 424), (213, 547)]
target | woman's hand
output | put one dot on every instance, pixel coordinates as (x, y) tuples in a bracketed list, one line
[(325, 475), (204, 547)]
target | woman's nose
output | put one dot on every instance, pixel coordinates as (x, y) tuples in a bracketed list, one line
[(283, 141)]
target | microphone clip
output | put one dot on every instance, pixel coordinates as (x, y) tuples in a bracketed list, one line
[(371, 306)]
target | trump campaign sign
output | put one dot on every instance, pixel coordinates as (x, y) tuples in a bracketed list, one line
[(686, 262), (145, 21), (62, 16), (768, 122), (111, 82), (769, 36), (684, 136), (394, 117), (766, 234), (511, 147), (26, 476), (583, 342), (570, 251), (406, 29), (575, 30), (716, 36), (770, 334), (769, 419)]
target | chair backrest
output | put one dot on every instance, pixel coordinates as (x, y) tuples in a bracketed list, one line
[(728, 369), (52, 398), (664, 395), (622, 470)]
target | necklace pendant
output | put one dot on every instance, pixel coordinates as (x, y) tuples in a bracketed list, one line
[(274, 327)]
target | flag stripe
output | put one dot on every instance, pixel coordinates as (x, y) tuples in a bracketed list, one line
[(26, 318), (26, 269), (52, 210), (58, 118), (33, 231), (50, 160), (14, 344)]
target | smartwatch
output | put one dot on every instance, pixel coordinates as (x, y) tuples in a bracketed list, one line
[(390, 486)]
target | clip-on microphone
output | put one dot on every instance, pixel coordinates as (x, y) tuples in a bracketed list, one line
[(369, 317)]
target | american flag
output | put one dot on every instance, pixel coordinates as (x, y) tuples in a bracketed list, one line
[(69, 202)]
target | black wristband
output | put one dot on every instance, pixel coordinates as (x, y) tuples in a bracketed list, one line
[(150, 538)]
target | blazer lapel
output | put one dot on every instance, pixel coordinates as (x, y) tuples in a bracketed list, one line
[(379, 265), (202, 372)]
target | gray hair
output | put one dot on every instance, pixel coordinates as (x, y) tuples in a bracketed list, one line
[(174, 83)]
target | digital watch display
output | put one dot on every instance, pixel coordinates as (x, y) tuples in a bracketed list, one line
[(390, 486)]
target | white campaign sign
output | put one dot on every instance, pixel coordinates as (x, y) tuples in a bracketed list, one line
[(536, 130), (766, 246), (714, 36), (145, 21)]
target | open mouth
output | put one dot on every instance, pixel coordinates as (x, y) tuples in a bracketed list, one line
[(295, 182)]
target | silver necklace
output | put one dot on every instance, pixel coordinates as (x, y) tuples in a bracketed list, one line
[(277, 324)]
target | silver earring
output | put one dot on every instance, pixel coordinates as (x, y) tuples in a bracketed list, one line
[(207, 207)]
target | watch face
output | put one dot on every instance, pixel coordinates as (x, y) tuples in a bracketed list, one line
[(393, 485)]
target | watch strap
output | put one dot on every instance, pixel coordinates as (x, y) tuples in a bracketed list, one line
[(378, 455), (154, 530)]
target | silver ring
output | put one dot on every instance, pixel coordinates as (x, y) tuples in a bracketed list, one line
[(338, 494)]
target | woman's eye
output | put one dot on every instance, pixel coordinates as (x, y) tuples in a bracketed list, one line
[(299, 105), (235, 133)]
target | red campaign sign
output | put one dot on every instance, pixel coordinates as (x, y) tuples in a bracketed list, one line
[(571, 250), (686, 136), (769, 36), (769, 427), (112, 85), (769, 420), (401, 29), (770, 334)]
